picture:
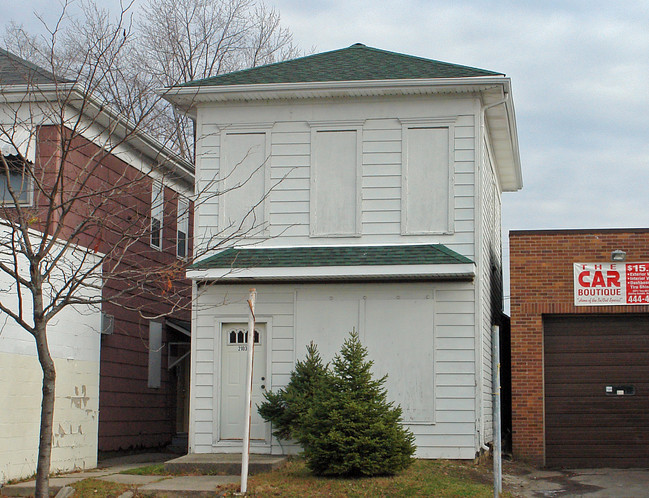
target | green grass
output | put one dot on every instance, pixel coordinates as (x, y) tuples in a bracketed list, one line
[(425, 478), (157, 469), (434, 478)]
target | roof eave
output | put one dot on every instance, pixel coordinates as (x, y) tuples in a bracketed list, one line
[(187, 97), (461, 271), (506, 145), (74, 96), (501, 118)]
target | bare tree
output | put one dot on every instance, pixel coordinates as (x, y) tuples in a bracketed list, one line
[(74, 223), (71, 227), (75, 226), (185, 40), (164, 43)]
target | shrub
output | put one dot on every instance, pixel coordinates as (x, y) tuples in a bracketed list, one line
[(350, 428), (286, 408)]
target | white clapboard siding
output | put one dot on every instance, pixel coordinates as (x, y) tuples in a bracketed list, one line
[(490, 275), (452, 375), (460, 375), (289, 169)]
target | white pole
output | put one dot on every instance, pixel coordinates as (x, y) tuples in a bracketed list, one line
[(245, 453), (497, 454)]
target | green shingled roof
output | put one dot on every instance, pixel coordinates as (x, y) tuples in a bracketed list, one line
[(295, 257), (355, 63)]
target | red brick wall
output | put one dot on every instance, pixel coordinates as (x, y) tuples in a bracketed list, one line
[(541, 274)]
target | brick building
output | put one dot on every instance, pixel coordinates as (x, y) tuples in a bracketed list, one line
[(580, 365)]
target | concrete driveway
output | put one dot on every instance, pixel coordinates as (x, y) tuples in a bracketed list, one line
[(611, 483)]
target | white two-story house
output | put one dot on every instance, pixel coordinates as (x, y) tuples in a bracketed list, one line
[(354, 189)]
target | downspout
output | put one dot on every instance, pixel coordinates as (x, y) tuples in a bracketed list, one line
[(484, 108), (483, 111)]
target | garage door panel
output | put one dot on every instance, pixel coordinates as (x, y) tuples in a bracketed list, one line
[(633, 343), (606, 359), (596, 451), (584, 425), (595, 390), (609, 424), (594, 375), (584, 405), (605, 436), (587, 462), (610, 324)]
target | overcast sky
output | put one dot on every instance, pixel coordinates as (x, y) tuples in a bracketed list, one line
[(580, 76)]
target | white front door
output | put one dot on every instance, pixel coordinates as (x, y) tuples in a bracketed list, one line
[(234, 358)]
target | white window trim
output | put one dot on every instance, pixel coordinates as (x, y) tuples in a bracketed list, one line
[(442, 122), (182, 221), (157, 210), (333, 126), (29, 190), (264, 129)]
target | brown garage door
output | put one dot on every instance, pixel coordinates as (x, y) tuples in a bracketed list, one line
[(589, 362)]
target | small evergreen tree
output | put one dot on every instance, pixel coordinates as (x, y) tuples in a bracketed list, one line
[(351, 429), (286, 407)]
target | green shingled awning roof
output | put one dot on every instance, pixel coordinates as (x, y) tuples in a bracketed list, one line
[(302, 257), (355, 63)]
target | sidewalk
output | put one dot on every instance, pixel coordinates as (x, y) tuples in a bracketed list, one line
[(109, 470)]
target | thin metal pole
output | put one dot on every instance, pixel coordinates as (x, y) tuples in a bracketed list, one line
[(245, 452), (497, 452)]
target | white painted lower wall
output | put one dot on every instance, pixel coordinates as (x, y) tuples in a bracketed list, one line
[(75, 415), (421, 334), (74, 341)]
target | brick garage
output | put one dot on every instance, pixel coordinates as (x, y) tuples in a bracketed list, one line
[(563, 356)]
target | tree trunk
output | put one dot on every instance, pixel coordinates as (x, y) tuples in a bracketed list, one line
[(47, 413)]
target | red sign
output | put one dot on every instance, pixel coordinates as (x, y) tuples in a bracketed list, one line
[(603, 284)]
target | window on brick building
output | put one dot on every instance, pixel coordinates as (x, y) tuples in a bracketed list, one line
[(157, 214), (182, 230), (14, 175)]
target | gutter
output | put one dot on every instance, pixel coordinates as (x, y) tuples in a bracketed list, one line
[(513, 134), (187, 96), (455, 271), (71, 94)]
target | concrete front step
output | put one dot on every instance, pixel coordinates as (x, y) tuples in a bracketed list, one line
[(222, 464)]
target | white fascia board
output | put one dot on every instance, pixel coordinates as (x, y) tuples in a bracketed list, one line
[(501, 119), (188, 97), (71, 94), (443, 271), (517, 183)]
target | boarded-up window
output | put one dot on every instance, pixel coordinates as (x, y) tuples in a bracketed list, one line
[(155, 354), (243, 184), (399, 335), (426, 181), (335, 199)]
